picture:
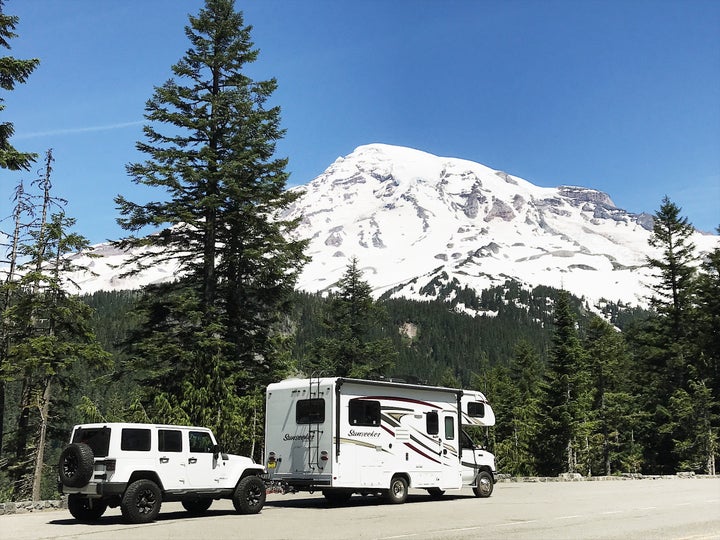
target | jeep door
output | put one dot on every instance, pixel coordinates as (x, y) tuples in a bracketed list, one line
[(202, 466), (171, 458)]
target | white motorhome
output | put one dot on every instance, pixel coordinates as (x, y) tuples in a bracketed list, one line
[(343, 436)]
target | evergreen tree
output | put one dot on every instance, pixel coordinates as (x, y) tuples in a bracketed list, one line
[(516, 401), (207, 341), (706, 321), (668, 352), (352, 318), (612, 404), (23, 207), (12, 72), (48, 332), (674, 289), (564, 407), (693, 425)]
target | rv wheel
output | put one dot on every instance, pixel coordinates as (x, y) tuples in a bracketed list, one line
[(484, 485), (398, 492)]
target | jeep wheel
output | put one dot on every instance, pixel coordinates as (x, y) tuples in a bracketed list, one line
[(197, 507), (249, 496), (141, 502), (85, 509), (76, 465)]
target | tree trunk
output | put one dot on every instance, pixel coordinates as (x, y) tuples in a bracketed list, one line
[(44, 408)]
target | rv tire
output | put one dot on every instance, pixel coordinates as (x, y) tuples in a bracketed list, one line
[(483, 485), (436, 493), (398, 492)]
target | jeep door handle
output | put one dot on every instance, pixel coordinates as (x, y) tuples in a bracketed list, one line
[(192, 460), (164, 459)]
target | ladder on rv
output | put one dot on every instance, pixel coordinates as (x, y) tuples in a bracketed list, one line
[(314, 431)]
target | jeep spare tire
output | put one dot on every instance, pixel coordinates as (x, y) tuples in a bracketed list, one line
[(76, 465)]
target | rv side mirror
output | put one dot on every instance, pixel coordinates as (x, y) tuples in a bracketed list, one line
[(216, 450)]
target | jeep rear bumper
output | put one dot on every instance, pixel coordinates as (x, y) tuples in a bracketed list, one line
[(95, 489)]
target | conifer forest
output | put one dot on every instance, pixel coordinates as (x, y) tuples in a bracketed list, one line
[(594, 390)]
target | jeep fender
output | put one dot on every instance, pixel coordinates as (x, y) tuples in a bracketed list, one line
[(146, 475)]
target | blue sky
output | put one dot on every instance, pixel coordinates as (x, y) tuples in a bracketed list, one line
[(617, 95)]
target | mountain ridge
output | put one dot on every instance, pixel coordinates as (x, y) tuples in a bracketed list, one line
[(412, 218)]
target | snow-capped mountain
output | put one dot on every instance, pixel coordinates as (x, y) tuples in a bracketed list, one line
[(413, 219)]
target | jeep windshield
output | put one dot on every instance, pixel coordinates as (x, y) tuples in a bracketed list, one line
[(96, 438)]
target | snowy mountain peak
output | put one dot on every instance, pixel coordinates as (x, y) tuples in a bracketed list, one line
[(417, 222), (412, 218)]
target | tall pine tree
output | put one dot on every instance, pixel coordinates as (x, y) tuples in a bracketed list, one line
[(12, 72), (207, 341), (564, 406), (669, 353), (353, 319)]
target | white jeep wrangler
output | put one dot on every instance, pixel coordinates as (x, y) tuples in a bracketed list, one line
[(137, 466)]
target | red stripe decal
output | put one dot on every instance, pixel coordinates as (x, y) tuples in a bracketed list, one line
[(422, 453)]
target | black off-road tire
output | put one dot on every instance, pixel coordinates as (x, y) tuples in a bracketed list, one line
[(141, 502), (197, 507), (398, 492), (76, 465), (436, 493), (84, 509), (483, 485), (249, 496)]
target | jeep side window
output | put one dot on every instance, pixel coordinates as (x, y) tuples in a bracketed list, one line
[(169, 440), (200, 442), (134, 439)]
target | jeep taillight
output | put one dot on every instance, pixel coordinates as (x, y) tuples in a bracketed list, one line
[(109, 465)]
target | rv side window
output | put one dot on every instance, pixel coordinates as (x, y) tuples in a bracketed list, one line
[(476, 409), (449, 428), (310, 411), (364, 413), (433, 424)]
